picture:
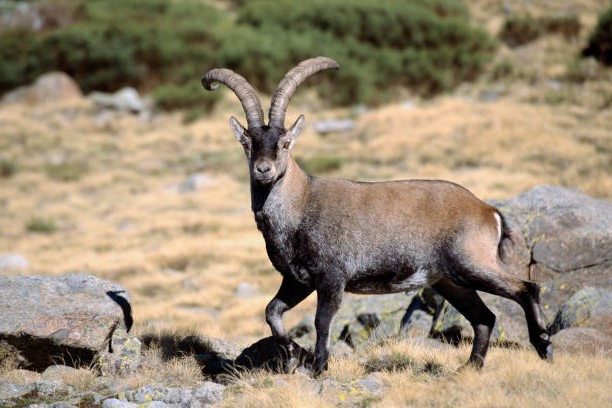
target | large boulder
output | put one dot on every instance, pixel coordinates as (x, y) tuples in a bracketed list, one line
[(49, 87), (68, 319), (359, 319), (564, 230), (589, 307)]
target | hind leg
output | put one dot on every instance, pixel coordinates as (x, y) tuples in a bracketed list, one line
[(470, 305), (495, 281)]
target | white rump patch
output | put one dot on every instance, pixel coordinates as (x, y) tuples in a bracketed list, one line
[(499, 226)]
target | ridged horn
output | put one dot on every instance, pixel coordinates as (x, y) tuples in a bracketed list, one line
[(243, 90), (288, 85)]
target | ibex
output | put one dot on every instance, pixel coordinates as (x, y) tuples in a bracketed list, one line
[(334, 236)]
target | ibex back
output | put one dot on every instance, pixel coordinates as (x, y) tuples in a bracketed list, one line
[(331, 236)]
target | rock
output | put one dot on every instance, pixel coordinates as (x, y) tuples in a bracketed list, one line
[(57, 373), (11, 391), (359, 392), (68, 318), (123, 355), (589, 307), (246, 290), (582, 340), (334, 126), (195, 182), (48, 88), (355, 317), (124, 100), (206, 394), (13, 262), (565, 230), (117, 403)]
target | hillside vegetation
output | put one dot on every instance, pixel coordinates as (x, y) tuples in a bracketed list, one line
[(427, 46), (162, 206)]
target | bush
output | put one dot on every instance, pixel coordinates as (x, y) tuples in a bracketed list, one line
[(600, 40), (165, 46), (114, 43), (41, 225), (8, 168), (426, 46), (567, 25), (520, 30)]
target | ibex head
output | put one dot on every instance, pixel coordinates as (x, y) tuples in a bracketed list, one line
[(267, 146)]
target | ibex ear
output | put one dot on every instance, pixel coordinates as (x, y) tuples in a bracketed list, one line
[(240, 133), (295, 130)]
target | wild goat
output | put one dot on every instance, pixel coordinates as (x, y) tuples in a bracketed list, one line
[(331, 236)]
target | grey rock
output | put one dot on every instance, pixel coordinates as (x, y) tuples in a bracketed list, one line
[(334, 126), (359, 392), (124, 100), (68, 318), (489, 95), (565, 229), (51, 87), (246, 290), (589, 307), (583, 340), (206, 394), (195, 182), (13, 262), (388, 310), (117, 403), (10, 390), (57, 373), (123, 355), (51, 387)]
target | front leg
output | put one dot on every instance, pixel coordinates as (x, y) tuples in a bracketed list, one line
[(329, 298), (289, 294)]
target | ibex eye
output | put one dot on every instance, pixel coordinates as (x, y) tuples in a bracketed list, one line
[(286, 145)]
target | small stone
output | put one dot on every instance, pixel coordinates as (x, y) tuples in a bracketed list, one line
[(117, 403), (13, 262)]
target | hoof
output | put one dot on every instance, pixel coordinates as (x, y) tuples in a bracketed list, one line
[(474, 363), (290, 365), (548, 354)]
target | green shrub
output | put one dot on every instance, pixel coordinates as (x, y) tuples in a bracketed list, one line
[(600, 40), (426, 46), (114, 43), (567, 25), (321, 164), (66, 171), (8, 168), (520, 30), (165, 46), (41, 225)]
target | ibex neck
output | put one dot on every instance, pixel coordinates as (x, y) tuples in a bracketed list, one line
[(286, 197)]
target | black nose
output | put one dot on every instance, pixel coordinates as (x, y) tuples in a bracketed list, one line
[(263, 168)]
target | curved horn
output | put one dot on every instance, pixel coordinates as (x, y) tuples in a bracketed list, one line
[(288, 85), (243, 90)]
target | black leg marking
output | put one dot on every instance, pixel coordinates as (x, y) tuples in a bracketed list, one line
[(289, 294), (328, 303), (470, 305), (526, 294)]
